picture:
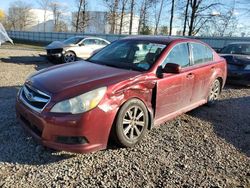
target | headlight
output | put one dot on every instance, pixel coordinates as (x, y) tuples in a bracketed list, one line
[(247, 67), (81, 103)]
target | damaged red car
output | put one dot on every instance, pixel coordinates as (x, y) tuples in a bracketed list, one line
[(119, 93)]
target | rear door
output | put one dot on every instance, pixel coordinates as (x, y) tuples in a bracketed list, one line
[(87, 48), (174, 91), (202, 68)]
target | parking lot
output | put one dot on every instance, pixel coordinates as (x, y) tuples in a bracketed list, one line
[(207, 147)]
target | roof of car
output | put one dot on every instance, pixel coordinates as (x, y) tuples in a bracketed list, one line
[(84, 37), (156, 39)]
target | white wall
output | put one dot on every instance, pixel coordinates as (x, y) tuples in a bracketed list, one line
[(37, 23), (126, 24)]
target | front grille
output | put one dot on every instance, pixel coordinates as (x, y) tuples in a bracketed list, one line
[(54, 51), (34, 98)]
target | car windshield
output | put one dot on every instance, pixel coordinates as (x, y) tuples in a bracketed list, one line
[(129, 54), (72, 40), (243, 49)]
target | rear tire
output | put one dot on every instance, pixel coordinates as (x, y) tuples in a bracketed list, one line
[(131, 123), (214, 92)]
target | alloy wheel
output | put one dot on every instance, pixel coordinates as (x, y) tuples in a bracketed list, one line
[(215, 91), (69, 57), (133, 123)]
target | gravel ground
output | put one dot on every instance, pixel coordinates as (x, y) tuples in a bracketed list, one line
[(208, 147)]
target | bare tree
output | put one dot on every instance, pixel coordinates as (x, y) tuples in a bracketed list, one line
[(164, 30), (143, 18), (171, 17), (244, 7), (132, 6), (123, 8), (80, 18), (58, 9), (19, 15), (158, 15), (112, 6), (197, 19), (225, 24), (185, 18), (2, 15), (44, 4)]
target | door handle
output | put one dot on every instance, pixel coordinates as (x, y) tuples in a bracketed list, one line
[(190, 76), (212, 68)]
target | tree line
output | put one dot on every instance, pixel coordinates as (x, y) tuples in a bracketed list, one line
[(181, 17)]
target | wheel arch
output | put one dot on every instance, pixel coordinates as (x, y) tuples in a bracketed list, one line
[(71, 51), (150, 112), (221, 82)]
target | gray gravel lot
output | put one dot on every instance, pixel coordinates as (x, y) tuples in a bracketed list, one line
[(207, 147)]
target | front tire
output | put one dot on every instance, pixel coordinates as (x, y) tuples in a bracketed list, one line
[(69, 57), (214, 92), (131, 123)]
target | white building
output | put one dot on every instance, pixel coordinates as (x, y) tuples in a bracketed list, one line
[(126, 24), (98, 23), (37, 24)]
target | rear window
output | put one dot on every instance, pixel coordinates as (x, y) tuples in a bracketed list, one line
[(201, 53)]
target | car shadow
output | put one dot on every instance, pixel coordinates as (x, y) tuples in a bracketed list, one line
[(236, 86), (230, 119), (16, 145), (40, 61)]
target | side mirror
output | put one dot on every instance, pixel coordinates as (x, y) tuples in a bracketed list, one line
[(172, 68), (81, 44)]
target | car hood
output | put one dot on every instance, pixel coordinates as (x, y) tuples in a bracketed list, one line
[(78, 77), (58, 44), (236, 59)]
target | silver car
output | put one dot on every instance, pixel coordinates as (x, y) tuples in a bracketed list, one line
[(74, 48)]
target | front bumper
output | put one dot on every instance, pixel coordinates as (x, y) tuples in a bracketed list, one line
[(239, 77), (55, 57), (93, 126)]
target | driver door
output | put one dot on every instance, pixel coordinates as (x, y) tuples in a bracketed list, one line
[(174, 91)]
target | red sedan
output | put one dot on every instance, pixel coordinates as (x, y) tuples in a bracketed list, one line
[(121, 92)]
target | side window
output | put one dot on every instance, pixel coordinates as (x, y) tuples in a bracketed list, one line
[(201, 53), (179, 55), (88, 42), (102, 42), (209, 54)]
